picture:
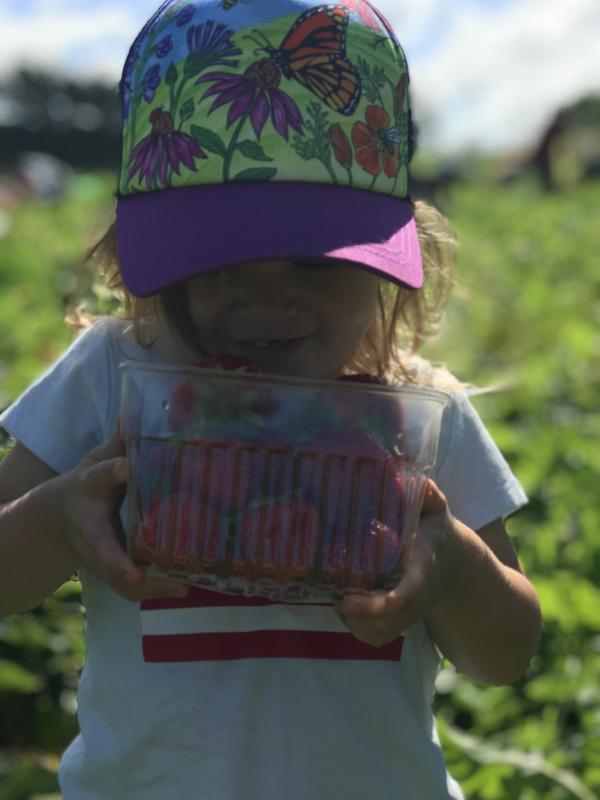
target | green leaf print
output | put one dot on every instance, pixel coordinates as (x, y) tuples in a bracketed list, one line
[(194, 65), (316, 146), (209, 140), (256, 174), (172, 75), (373, 80), (187, 110), (253, 150)]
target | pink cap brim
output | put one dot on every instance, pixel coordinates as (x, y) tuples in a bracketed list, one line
[(168, 236)]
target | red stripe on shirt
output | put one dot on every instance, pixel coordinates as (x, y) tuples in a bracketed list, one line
[(227, 646)]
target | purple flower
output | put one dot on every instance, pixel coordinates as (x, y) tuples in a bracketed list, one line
[(185, 15), (211, 41), (164, 47), (150, 82), (257, 92), (164, 147)]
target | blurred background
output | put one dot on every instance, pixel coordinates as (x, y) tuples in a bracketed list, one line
[(507, 103)]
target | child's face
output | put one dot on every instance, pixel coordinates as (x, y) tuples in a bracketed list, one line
[(292, 318)]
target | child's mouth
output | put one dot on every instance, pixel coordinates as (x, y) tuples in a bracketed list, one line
[(268, 347), (268, 342)]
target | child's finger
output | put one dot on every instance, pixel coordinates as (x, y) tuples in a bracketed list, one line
[(103, 555), (434, 502), (104, 476), (359, 606), (107, 559), (157, 588), (113, 447), (376, 631)]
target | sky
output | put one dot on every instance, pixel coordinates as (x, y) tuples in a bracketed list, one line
[(486, 74)]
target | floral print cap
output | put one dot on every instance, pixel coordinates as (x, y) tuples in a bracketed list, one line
[(255, 119)]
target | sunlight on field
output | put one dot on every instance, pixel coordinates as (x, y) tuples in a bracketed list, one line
[(525, 320)]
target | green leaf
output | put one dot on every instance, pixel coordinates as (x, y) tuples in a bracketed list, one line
[(253, 150), (258, 174), (14, 678), (172, 75), (194, 65), (187, 110), (209, 140)]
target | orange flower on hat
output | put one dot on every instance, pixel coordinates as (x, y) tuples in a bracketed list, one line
[(342, 149), (376, 144)]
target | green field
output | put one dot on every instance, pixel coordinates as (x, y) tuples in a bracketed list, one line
[(525, 321)]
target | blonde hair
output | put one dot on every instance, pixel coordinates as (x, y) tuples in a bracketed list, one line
[(404, 320)]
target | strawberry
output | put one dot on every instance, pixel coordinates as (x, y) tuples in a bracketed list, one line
[(281, 538), (180, 529), (148, 530), (380, 413), (229, 362), (182, 405), (385, 547), (329, 461), (265, 403), (353, 442), (226, 470)]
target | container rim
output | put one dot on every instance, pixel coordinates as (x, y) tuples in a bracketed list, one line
[(435, 395)]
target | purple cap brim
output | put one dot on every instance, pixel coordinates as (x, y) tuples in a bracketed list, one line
[(168, 236)]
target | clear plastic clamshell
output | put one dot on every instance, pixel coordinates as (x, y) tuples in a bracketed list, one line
[(278, 487)]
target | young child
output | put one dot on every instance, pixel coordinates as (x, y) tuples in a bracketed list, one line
[(262, 212)]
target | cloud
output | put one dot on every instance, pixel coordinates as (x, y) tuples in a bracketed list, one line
[(495, 76), (73, 38), (485, 73)]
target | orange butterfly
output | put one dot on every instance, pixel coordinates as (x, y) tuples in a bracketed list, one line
[(314, 54)]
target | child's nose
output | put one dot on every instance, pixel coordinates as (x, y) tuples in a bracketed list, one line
[(264, 283)]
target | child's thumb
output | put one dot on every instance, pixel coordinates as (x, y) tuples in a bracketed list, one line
[(112, 449), (434, 501)]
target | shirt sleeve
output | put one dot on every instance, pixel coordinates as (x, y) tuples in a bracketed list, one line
[(63, 414), (471, 471)]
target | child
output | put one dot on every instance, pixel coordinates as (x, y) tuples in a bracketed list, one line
[(262, 212)]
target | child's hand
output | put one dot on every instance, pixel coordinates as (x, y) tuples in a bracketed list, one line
[(380, 619), (92, 494)]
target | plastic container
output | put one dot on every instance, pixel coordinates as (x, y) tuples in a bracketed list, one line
[(278, 487)]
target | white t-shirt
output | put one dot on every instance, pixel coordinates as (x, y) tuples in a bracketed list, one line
[(224, 698)]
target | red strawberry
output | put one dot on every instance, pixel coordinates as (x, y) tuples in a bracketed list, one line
[(179, 528), (380, 412), (181, 405), (348, 442), (333, 461), (280, 539), (229, 362), (265, 403), (385, 546), (226, 470)]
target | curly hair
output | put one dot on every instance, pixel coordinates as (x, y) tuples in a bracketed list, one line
[(404, 319)]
